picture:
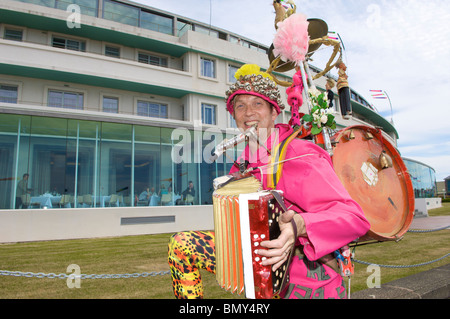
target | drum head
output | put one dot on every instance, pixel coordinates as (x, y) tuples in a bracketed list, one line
[(376, 177)]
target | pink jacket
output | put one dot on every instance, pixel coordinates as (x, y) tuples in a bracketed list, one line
[(311, 188)]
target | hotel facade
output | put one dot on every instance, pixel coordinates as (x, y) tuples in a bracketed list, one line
[(95, 98)]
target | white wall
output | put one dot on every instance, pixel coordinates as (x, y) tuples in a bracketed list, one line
[(60, 224)]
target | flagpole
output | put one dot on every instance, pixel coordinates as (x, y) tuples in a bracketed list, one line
[(390, 103), (381, 94)]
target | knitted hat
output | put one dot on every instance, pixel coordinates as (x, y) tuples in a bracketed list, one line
[(250, 80)]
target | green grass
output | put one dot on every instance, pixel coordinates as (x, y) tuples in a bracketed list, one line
[(138, 254)]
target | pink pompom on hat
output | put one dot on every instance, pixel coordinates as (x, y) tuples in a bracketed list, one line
[(251, 80)]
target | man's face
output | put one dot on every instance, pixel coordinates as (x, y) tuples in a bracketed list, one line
[(250, 110)]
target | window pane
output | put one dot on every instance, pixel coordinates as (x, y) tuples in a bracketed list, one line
[(231, 72), (69, 100), (152, 59), (15, 35), (143, 58), (208, 114), (69, 44), (207, 68), (110, 104), (112, 51), (152, 109), (12, 167), (156, 22), (87, 7), (8, 93), (59, 43), (55, 99), (116, 160), (122, 13), (183, 27), (142, 108), (164, 113), (207, 31), (147, 165)]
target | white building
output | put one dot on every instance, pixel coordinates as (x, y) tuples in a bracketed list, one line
[(91, 106)]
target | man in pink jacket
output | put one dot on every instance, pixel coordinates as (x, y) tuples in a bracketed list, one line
[(325, 215)]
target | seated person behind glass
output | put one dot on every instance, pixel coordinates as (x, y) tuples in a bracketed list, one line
[(163, 190), (189, 191), (145, 195)]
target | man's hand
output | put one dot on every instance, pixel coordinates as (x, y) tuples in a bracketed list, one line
[(278, 250)]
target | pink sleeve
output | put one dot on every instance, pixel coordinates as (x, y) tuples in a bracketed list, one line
[(333, 219)]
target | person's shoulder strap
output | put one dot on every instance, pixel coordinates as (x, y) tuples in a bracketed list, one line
[(276, 160)]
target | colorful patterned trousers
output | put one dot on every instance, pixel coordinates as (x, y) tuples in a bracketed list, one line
[(194, 250), (189, 252)]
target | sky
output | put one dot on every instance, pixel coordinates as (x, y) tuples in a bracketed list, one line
[(399, 46)]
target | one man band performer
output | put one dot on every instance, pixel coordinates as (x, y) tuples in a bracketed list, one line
[(325, 215)]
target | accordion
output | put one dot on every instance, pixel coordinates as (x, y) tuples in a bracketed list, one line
[(243, 217)]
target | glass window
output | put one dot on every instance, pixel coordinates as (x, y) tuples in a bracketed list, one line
[(231, 72), (76, 163), (48, 148), (233, 39), (208, 31), (82, 165), (423, 179), (68, 44), (156, 22), (87, 7), (147, 164), (152, 59), (14, 159), (8, 93), (15, 35), (121, 12), (208, 114), (112, 51), (183, 27), (150, 109), (110, 104), (115, 176), (67, 100), (232, 121), (208, 67)]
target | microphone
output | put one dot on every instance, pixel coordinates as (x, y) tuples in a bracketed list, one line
[(226, 144)]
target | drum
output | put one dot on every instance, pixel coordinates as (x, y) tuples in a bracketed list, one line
[(375, 176)]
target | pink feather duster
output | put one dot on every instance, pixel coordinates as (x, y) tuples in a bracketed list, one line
[(291, 41)]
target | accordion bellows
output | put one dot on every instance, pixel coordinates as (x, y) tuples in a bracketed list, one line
[(243, 217)]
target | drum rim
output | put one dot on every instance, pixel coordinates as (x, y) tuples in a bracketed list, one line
[(409, 215)]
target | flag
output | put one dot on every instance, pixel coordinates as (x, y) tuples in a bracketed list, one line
[(379, 94), (332, 37)]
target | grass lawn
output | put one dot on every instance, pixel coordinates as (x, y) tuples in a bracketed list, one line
[(138, 254)]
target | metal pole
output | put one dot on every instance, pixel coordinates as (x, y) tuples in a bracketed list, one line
[(390, 103), (325, 132)]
